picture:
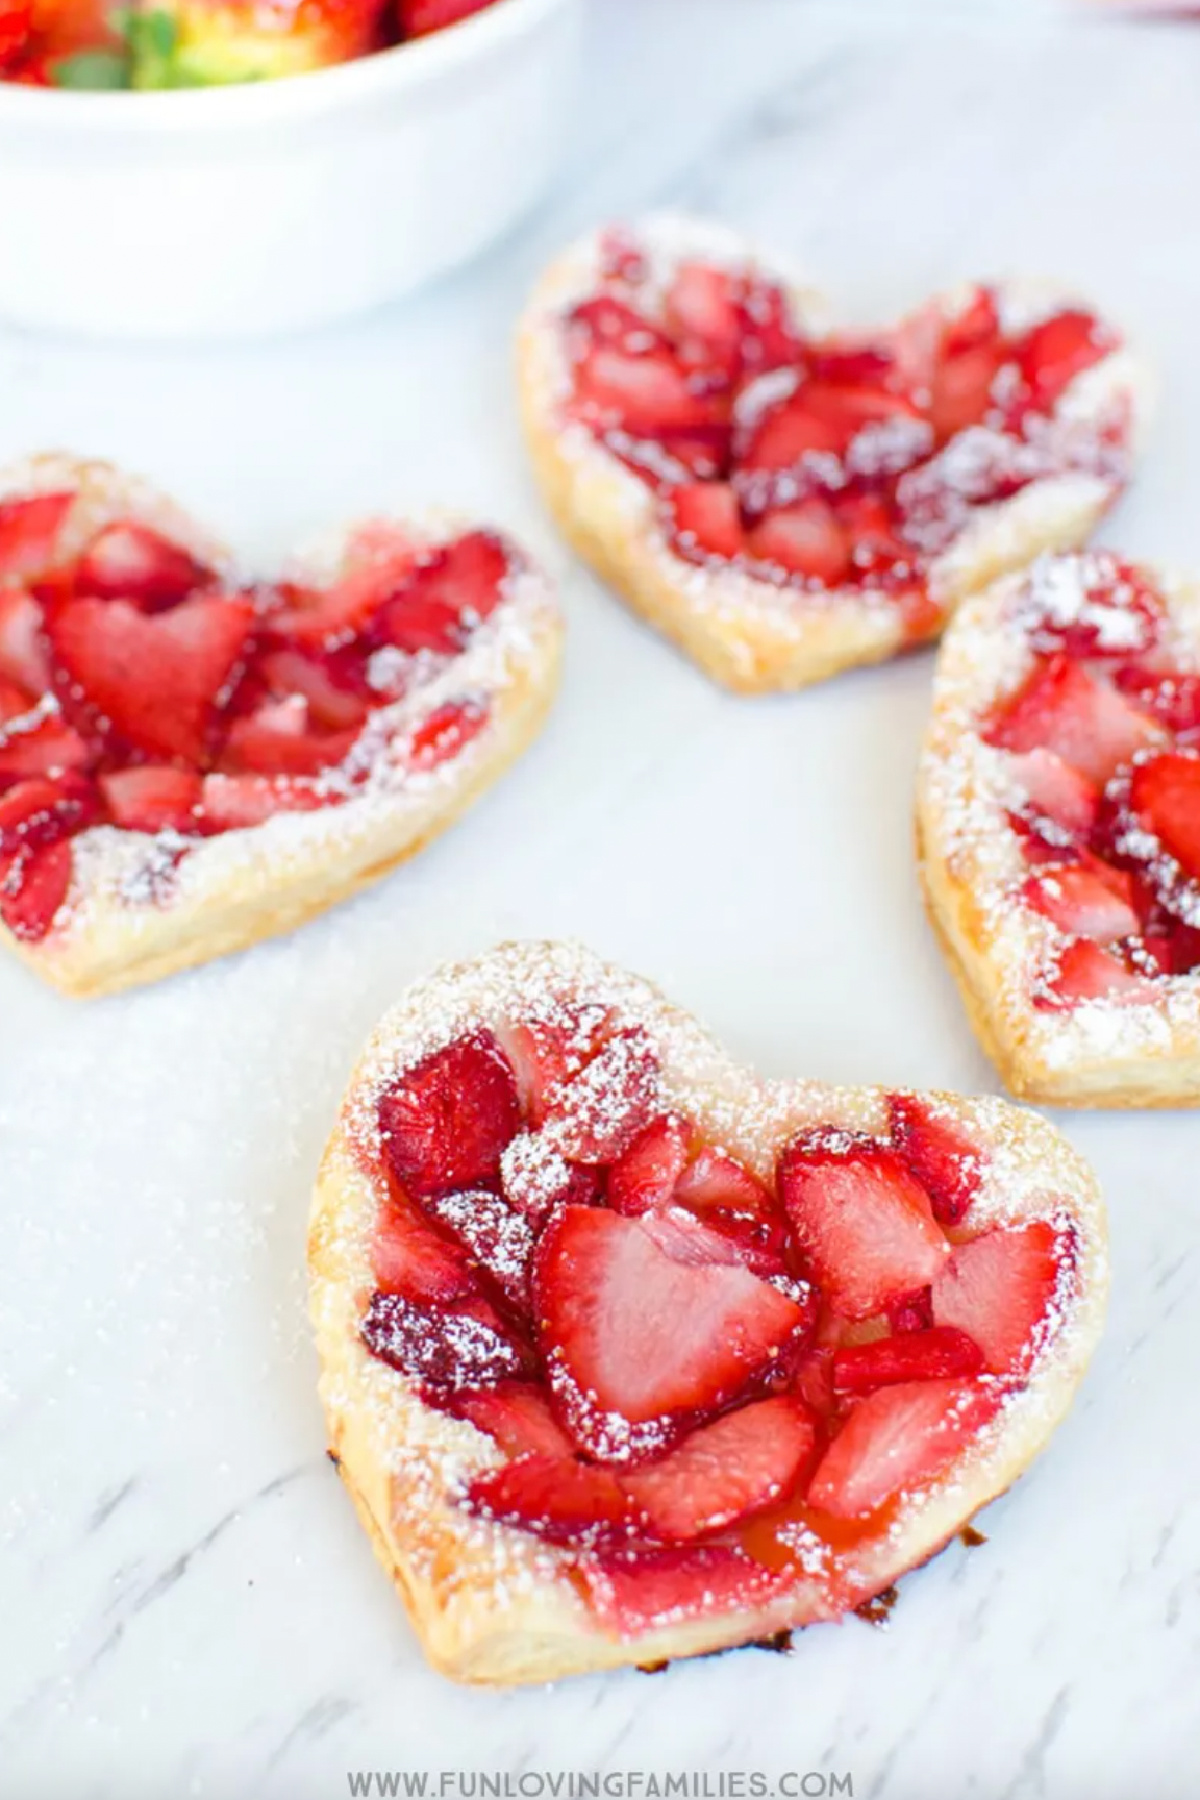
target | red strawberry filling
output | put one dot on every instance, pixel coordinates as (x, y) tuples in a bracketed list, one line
[(1102, 741), (131, 677), (691, 1375), (822, 462)]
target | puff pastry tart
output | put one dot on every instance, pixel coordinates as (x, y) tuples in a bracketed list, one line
[(190, 761), (628, 1354), (783, 500), (1059, 826)]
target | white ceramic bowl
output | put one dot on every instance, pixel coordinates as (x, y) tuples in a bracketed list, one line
[(229, 211)]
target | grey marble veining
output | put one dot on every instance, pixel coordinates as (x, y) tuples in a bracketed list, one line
[(187, 1606)]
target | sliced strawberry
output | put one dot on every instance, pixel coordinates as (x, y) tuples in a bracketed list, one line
[(23, 656), (911, 1356), (706, 520), (332, 684), (1053, 353), (648, 1319), (644, 1176), (805, 539), (1057, 791), (546, 1054), (240, 802), (1000, 1289), (726, 1471), (445, 1123), (34, 885), (644, 394), (445, 732), (596, 1115), (850, 407), (961, 391), (1172, 698), (1118, 615), (156, 679), (498, 1238), (518, 1416), (1085, 971), (864, 1224), (704, 311), (444, 1348), (1086, 899), (557, 1498), (50, 747), (29, 531), (449, 592), (788, 433), (632, 1592), (714, 1180), (278, 739), (40, 811), (1164, 792), (1076, 715), (128, 561), (944, 1159), (410, 1257), (153, 797), (15, 701), (895, 1440), (418, 18)]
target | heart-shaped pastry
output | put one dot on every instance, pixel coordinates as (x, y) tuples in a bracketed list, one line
[(784, 500), (1059, 827), (190, 761), (629, 1354)]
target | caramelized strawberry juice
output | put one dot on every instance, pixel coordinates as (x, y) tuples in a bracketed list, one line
[(694, 1377), (811, 462)]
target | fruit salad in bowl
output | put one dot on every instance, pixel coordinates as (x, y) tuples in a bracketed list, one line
[(147, 44)]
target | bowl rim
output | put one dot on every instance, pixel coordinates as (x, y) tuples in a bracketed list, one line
[(396, 70)]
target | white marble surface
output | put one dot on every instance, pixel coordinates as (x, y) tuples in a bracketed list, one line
[(187, 1605)]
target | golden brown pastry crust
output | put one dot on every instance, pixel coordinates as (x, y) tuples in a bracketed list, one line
[(121, 927), (493, 1605), (1103, 1053), (748, 634)]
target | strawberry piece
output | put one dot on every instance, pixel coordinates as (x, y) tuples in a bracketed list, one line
[(445, 732), (961, 390), (595, 1116), (1086, 899), (788, 433), (1053, 353), (945, 1161), (15, 702), (546, 1055), (1077, 716), (911, 1356), (714, 1180), (557, 1498), (649, 1319), (860, 1218), (157, 679), (518, 1416), (1173, 699), (445, 1123), (1000, 1289), (645, 394), (445, 596), (417, 18), (444, 1348), (706, 521), (704, 311), (1057, 791), (1164, 793), (644, 1176), (497, 1236), (153, 797), (727, 1471), (630, 1593), (277, 740), (40, 811), (240, 802), (912, 1312), (331, 683), (805, 539), (1087, 972), (895, 1440), (29, 532), (34, 885), (48, 748), (16, 28), (23, 657), (1120, 615), (410, 1257), (128, 561)]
